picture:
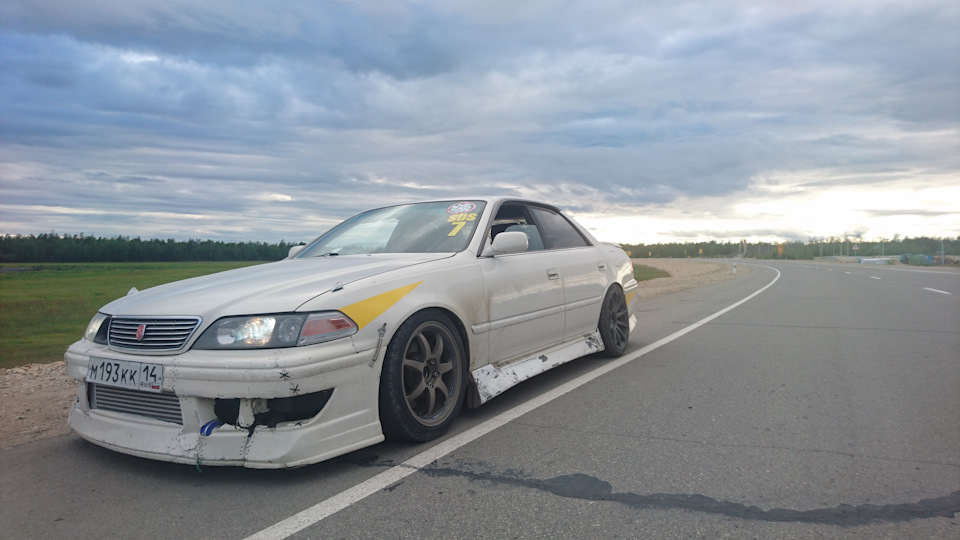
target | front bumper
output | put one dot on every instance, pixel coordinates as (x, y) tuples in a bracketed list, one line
[(349, 419)]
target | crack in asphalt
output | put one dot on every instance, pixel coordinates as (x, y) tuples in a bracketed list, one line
[(588, 488)]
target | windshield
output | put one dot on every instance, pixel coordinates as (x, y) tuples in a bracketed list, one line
[(434, 227)]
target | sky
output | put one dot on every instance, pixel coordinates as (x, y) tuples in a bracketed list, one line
[(649, 121)]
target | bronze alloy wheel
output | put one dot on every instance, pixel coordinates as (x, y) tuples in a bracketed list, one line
[(431, 366), (422, 384)]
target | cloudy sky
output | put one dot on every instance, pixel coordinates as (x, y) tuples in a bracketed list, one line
[(649, 121)]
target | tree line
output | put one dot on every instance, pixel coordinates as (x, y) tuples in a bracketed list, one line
[(56, 248), (52, 247), (827, 247)]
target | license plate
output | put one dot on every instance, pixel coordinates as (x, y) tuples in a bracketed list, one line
[(126, 374)]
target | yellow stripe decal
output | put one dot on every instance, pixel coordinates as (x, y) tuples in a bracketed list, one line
[(630, 296), (365, 311)]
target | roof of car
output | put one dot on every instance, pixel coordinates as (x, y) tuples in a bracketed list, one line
[(489, 199)]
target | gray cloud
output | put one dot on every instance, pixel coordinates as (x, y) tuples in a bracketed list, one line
[(790, 235), (177, 108), (908, 212)]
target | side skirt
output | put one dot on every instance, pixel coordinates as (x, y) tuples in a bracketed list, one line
[(491, 381)]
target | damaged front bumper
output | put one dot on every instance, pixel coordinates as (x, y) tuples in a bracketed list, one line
[(261, 409)]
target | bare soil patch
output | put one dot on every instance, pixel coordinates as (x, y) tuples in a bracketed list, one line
[(686, 274), (34, 402), (35, 399)]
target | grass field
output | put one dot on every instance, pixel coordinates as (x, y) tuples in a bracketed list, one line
[(643, 273), (44, 308)]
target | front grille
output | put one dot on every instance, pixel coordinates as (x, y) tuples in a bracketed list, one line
[(164, 406), (159, 334)]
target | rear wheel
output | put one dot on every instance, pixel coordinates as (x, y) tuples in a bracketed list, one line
[(614, 323), (422, 385)]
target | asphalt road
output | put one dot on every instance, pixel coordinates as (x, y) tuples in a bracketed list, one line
[(828, 405)]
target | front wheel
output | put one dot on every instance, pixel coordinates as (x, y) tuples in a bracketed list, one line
[(614, 323), (422, 384)]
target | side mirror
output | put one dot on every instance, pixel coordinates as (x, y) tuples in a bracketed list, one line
[(294, 250), (506, 243)]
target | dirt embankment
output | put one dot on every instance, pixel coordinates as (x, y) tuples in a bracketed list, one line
[(35, 399)]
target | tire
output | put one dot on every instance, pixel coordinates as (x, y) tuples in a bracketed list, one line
[(614, 323), (423, 381)]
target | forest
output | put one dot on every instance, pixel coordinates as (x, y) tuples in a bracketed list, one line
[(56, 248), (829, 247), (63, 248)]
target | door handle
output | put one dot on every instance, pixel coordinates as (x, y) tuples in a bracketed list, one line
[(552, 273), (601, 266)]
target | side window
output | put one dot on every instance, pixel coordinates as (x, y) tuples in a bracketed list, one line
[(557, 232), (516, 217)]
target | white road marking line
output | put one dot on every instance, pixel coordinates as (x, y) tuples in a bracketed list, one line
[(875, 277), (936, 290), (313, 515)]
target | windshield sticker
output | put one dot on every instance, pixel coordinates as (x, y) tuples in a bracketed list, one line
[(459, 220), (461, 208)]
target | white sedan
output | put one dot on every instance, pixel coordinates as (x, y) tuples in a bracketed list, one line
[(385, 326)]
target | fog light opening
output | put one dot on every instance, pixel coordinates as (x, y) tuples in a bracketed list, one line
[(279, 410)]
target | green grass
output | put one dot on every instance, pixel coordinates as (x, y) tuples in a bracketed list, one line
[(44, 308), (644, 273)]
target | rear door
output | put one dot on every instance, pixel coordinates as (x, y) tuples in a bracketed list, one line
[(581, 267)]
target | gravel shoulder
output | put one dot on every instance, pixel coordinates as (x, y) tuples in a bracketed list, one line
[(35, 399)]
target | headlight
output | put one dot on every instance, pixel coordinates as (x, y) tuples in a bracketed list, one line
[(275, 331), (97, 330)]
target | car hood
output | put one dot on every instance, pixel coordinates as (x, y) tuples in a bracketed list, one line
[(267, 288)]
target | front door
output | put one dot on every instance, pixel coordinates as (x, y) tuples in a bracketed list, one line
[(525, 302)]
